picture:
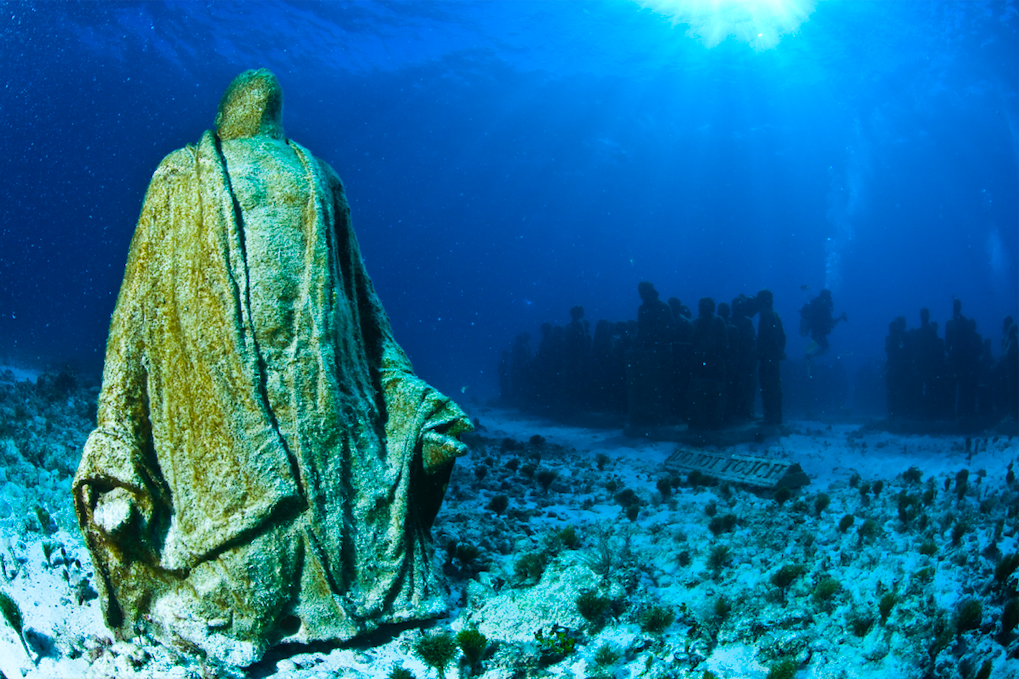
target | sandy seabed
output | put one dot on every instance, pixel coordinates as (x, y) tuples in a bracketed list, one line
[(695, 581)]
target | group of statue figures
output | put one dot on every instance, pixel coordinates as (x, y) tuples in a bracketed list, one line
[(665, 367), (933, 378), (668, 367), (266, 466)]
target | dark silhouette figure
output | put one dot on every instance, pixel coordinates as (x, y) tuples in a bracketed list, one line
[(929, 366), (1000, 376), (710, 342), (681, 316), (682, 355), (746, 363), (731, 363), (944, 398), (505, 390), (969, 382), (956, 331), (816, 320), (655, 324), (985, 385), (546, 370), (770, 351), (577, 351), (557, 372), (649, 364), (710, 345), (520, 356), (624, 333), (684, 311), (601, 366), (1010, 369), (897, 367)]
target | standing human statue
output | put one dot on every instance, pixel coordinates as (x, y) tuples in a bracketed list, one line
[(1001, 375), (731, 364), (682, 357), (520, 392), (897, 368), (1010, 368), (927, 360), (770, 351), (649, 366), (746, 366), (266, 467), (710, 342), (576, 363), (956, 344)]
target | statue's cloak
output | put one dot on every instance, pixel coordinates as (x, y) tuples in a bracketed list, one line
[(186, 428)]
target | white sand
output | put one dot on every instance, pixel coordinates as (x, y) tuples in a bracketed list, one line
[(646, 568)]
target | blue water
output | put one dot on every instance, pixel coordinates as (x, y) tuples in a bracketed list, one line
[(507, 160)]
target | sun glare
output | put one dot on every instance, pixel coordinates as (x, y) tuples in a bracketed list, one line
[(758, 23)]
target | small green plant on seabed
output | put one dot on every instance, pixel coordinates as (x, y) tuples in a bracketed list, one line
[(473, 644), (530, 567), (718, 559), (783, 669), (656, 619), (400, 673), (568, 536), (860, 623), (45, 520), (784, 577), (12, 614), (821, 503), (606, 655), (592, 607), (48, 547), (825, 591), (886, 605), (554, 645), (437, 651), (968, 615), (868, 531)]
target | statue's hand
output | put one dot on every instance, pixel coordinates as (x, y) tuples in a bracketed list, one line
[(115, 510), (439, 448)]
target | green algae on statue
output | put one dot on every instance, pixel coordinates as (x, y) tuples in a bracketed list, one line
[(266, 466)]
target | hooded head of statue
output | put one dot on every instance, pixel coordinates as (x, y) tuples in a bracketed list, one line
[(251, 106)]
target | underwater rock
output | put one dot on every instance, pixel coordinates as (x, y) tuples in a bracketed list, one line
[(266, 466), (516, 615)]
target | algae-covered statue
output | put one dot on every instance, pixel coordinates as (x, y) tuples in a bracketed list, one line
[(266, 466)]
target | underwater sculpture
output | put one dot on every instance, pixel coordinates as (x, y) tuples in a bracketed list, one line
[(266, 466), (649, 364)]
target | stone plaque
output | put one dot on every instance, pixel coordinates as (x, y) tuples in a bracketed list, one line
[(753, 471)]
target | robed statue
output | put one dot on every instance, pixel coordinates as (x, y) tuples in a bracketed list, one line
[(266, 466)]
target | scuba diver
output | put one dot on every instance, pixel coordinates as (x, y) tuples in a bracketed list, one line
[(816, 320)]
